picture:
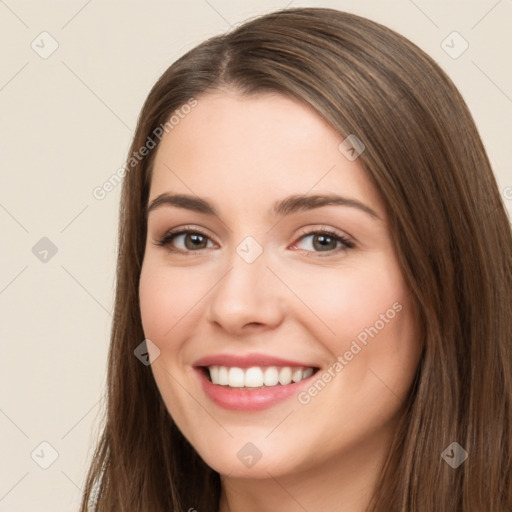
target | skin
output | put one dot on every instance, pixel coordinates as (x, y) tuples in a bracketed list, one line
[(296, 301)]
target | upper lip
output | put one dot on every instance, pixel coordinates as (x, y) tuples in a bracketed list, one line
[(248, 360)]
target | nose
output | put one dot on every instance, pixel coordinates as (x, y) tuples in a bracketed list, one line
[(247, 297)]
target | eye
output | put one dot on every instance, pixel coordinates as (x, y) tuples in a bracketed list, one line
[(324, 240), (188, 240)]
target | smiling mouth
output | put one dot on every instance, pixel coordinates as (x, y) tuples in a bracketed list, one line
[(256, 377)]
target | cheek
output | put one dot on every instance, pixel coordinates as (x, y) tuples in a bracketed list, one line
[(168, 300), (365, 315), (347, 301)]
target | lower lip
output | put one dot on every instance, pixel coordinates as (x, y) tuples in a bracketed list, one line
[(255, 399)]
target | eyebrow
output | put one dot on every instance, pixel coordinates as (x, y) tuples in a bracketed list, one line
[(287, 206)]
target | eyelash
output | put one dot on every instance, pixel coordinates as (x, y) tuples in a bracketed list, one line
[(171, 235)]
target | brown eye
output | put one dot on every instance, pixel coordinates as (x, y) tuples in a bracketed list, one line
[(185, 240), (195, 241), (325, 241)]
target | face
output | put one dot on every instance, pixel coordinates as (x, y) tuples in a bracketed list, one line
[(283, 326)]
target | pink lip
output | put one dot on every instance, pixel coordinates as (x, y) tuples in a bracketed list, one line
[(247, 399), (247, 360)]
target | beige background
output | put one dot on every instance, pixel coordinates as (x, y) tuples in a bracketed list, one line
[(65, 126)]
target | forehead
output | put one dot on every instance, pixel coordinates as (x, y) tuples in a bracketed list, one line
[(248, 148)]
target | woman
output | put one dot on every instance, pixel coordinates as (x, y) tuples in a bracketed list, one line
[(315, 252)]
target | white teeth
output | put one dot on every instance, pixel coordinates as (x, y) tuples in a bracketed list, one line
[(236, 377), (257, 376), (223, 376), (214, 373), (253, 377), (271, 376), (285, 375), (297, 375), (307, 373)]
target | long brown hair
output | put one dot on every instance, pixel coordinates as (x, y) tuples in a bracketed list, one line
[(452, 237)]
